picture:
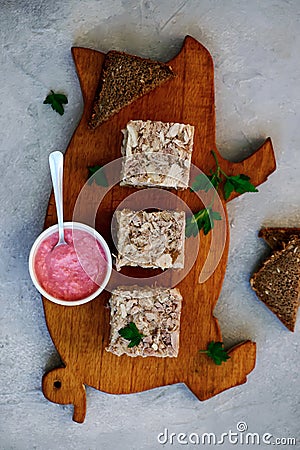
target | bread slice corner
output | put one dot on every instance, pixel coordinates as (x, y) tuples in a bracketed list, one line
[(278, 237), (277, 282), (125, 78)]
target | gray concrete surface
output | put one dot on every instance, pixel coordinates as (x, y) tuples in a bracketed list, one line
[(255, 45)]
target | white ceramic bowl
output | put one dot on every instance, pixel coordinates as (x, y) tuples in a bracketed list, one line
[(75, 226)]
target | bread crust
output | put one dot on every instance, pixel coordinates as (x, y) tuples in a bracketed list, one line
[(278, 237)]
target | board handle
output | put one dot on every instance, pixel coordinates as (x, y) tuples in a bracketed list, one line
[(258, 166)]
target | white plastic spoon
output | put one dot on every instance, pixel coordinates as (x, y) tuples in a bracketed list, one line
[(56, 162)]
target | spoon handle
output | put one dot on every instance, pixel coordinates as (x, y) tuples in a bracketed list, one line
[(56, 162)]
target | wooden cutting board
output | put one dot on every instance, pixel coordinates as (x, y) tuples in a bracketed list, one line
[(81, 333)]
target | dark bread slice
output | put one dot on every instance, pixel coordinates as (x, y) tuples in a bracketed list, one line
[(125, 78), (278, 238), (277, 283)]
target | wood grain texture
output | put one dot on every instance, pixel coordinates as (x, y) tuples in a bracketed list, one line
[(81, 333)]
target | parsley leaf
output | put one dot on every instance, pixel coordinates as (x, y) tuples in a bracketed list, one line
[(56, 101), (191, 227), (228, 189), (97, 174), (132, 334), (203, 182), (202, 220), (216, 351), (238, 183)]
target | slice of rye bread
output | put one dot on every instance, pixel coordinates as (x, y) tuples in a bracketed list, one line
[(278, 238), (277, 283), (125, 78)]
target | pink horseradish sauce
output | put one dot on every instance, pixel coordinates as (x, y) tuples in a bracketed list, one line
[(74, 271)]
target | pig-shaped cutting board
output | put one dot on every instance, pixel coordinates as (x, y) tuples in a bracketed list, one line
[(81, 333)]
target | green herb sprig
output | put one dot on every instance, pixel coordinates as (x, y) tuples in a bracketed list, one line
[(132, 334), (56, 101), (99, 177), (205, 218), (215, 351), (233, 183)]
